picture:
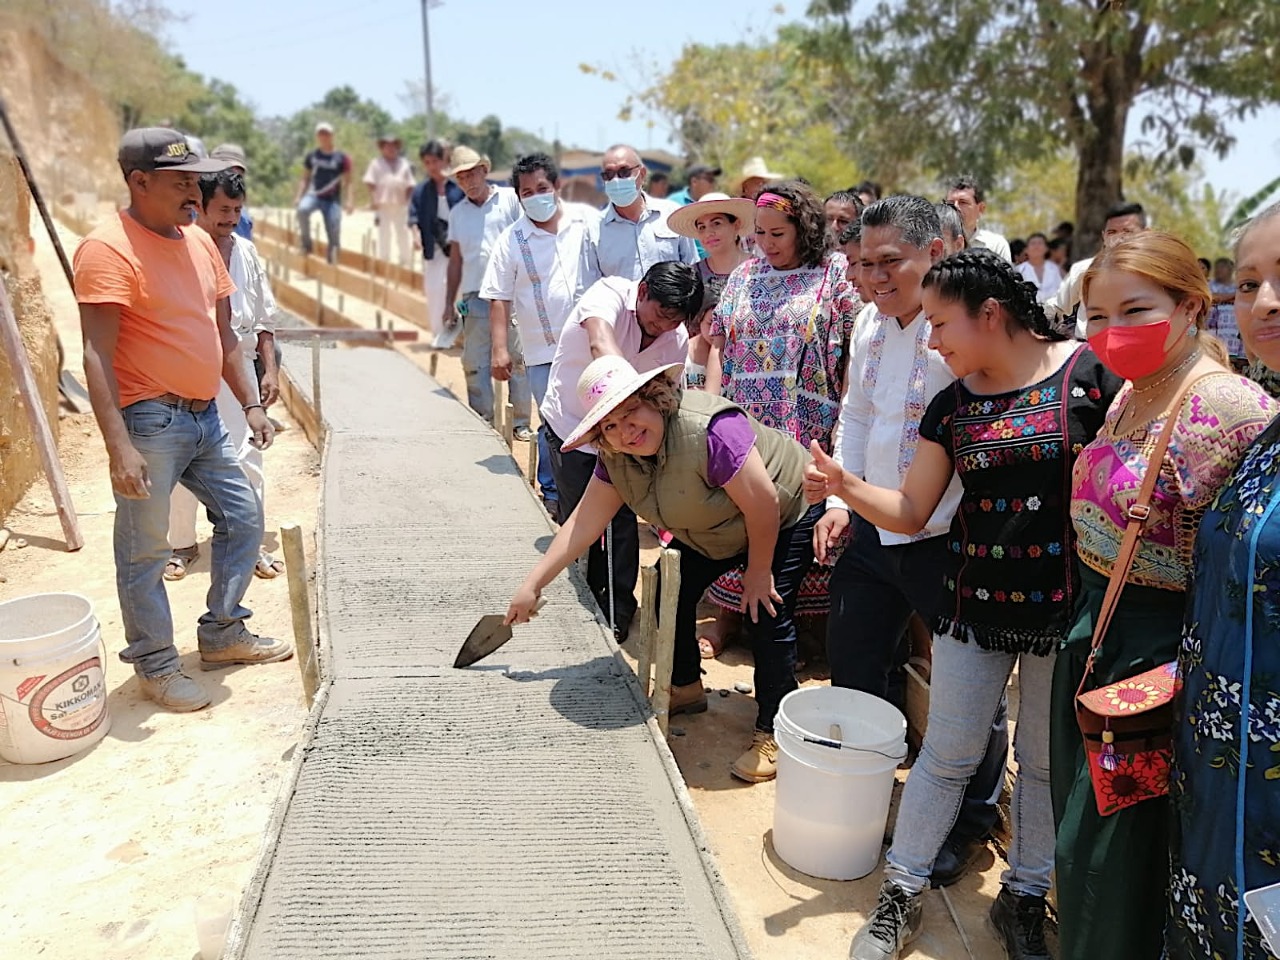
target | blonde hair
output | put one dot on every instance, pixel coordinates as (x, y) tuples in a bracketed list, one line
[(1170, 264), (661, 393)]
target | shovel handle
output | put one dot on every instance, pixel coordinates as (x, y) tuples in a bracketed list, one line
[(542, 602)]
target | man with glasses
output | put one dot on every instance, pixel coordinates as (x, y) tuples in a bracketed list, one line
[(632, 235)]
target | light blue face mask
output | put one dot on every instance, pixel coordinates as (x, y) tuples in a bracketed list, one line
[(540, 207), (622, 192)]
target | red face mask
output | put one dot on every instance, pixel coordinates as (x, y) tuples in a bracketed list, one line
[(1132, 352)]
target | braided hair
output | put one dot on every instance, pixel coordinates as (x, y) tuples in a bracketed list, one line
[(976, 275)]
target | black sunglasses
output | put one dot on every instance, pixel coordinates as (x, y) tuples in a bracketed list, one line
[(624, 172)]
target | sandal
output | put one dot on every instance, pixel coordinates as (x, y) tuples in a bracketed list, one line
[(175, 567), (268, 567)]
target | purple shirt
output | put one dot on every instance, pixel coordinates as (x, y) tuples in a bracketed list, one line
[(730, 438)]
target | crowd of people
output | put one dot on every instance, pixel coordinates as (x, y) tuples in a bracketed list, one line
[(855, 409)]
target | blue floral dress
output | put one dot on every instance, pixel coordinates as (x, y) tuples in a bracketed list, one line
[(1230, 655)]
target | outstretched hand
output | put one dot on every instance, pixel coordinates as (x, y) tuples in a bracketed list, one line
[(823, 477), (524, 605)]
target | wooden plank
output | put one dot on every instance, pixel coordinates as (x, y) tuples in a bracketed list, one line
[(16, 351), (664, 653), (304, 635), (648, 606), (345, 335)]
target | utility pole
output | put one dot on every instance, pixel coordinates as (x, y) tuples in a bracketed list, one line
[(426, 59)]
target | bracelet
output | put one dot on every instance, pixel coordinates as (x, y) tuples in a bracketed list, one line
[(246, 409)]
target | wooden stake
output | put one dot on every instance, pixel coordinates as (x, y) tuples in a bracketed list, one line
[(509, 426), (319, 302), (434, 362), (665, 649), (304, 638), (648, 605), (377, 319), (315, 382), (533, 461), (30, 393), (499, 403)]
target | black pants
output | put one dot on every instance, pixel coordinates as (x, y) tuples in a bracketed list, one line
[(572, 471), (874, 590), (773, 638)]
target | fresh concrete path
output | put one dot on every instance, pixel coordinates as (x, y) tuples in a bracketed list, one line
[(523, 808)]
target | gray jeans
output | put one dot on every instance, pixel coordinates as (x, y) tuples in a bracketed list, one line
[(965, 692), (476, 353)]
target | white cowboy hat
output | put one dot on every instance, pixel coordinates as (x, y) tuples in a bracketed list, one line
[(742, 209), (606, 383), (756, 169)]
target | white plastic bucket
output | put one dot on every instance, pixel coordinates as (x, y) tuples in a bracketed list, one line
[(837, 752), (53, 688)]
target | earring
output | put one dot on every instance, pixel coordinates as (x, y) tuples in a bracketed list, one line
[(1193, 331)]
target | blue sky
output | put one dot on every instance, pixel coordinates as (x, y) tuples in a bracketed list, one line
[(518, 60)]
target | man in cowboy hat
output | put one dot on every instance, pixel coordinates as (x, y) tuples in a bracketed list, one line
[(632, 233), (755, 174), (475, 223), (389, 180)]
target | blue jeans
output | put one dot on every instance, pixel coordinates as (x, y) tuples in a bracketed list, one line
[(539, 374), (180, 445), (477, 354), (331, 211), (966, 691)]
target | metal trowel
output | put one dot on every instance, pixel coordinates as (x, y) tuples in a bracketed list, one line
[(487, 636)]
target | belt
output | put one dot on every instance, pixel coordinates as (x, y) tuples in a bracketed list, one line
[(182, 403)]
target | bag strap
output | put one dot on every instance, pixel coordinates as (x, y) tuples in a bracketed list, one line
[(1138, 514)]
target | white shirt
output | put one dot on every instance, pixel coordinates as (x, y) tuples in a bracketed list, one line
[(613, 300), (1061, 307), (617, 247), (253, 306), (391, 181), (1047, 284), (542, 276), (991, 241), (475, 227), (892, 377)]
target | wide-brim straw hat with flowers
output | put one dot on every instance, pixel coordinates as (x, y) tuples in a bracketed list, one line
[(604, 386), (740, 208)]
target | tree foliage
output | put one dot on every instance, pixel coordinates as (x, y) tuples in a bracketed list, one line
[(983, 84)]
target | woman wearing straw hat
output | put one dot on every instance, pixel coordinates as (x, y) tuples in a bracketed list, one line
[(718, 222), (728, 488)]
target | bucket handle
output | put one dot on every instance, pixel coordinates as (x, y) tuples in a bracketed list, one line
[(838, 745)]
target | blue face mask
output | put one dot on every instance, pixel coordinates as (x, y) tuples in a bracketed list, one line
[(621, 192), (540, 207)]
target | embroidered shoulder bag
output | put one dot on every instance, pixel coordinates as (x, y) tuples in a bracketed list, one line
[(1128, 725)]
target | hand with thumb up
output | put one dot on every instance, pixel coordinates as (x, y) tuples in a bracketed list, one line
[(823, 477)]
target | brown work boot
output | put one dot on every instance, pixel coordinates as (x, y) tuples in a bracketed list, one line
[(249, 649), (175, 691), (687, 698), (760, 762)]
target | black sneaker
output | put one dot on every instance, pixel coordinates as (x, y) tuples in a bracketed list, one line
[(895, 922), (955, 859), (1018, 923)]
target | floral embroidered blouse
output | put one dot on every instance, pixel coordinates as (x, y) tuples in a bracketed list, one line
[(1220, 417), (786, 344), (1012, 587)]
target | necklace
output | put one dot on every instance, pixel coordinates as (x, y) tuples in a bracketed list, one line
[(1191, 358)]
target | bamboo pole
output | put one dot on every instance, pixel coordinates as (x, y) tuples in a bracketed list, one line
[(665, 648), (20, 363), (295, 564)]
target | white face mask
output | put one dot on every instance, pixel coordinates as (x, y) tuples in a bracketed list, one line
[(621, 191), (540, 207)]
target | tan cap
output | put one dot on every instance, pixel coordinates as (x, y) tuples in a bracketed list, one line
[(464, 159)]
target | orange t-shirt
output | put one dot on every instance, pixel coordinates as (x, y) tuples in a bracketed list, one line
[(167, 291)]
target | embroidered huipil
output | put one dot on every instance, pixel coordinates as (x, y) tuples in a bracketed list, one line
[(1014, 579), (1220, 417), (892, 377)]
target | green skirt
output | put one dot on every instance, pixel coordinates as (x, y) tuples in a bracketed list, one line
[(1112, 873)]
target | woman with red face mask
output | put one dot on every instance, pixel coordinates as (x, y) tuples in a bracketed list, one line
[(1185, 415)]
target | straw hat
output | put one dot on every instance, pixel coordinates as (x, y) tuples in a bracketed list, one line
[(756, 169), (606, 383), (464, 159), (681, 221)]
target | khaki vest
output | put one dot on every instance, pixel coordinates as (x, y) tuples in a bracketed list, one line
[(671, 489)]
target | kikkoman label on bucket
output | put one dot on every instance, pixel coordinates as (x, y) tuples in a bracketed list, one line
[(72, 704)]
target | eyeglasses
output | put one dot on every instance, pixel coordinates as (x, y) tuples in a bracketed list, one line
[(623, 172)]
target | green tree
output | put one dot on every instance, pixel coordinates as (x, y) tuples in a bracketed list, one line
[(984, 84)]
